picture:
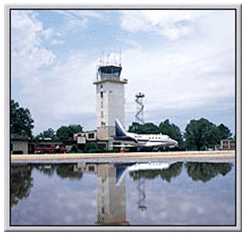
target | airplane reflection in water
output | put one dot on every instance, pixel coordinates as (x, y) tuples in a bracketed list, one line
[(144, 166)]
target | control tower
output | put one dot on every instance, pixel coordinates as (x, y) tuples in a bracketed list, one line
[(110, 100)]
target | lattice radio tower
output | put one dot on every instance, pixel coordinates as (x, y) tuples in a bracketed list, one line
[(140, 107)]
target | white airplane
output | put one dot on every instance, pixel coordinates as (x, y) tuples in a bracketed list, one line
[(142, 140)]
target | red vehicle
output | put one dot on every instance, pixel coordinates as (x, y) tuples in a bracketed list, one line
[(51, 148)]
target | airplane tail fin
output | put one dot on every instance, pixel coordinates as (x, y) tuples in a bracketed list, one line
[(119, 129), (121, 134)]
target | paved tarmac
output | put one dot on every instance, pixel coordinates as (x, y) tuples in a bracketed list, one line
[(128, 156)]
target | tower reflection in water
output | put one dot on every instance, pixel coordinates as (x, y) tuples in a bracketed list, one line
[(111, 207)]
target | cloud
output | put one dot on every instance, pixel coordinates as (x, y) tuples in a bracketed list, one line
[(88, 13), (70, 22), (172, 24), (189, 73), (76, 20), (27, 52), (64, 90), (176, 80)]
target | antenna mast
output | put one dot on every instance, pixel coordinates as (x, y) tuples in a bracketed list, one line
[(140, 107), (120, 59)]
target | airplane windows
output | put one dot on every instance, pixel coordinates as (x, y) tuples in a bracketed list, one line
[(154, 137)]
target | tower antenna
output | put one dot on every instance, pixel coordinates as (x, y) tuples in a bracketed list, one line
[(114, 57), (100, 63), (102, 58), (120, 59), (108, 55)]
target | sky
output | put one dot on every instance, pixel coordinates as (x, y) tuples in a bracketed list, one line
[(182, 60)]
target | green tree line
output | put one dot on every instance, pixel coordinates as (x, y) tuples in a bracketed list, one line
[(62, 133), (199, 134), (22, 122)]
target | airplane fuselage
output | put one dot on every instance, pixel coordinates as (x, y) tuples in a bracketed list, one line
[(143, 140), (150, 140)]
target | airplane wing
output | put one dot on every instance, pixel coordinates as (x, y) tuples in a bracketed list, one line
[(151, 144), (124, 145)]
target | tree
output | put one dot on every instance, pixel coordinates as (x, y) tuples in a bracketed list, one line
[(20, 119), (172, 131), (50, 133), (135, 128), (66, 133), (150, 128), (224, 131), (201, 133), (147, 128)]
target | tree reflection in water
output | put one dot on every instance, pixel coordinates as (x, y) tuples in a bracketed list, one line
[(67, 171), (173, 171), (166, 174), (21, 182), (196, 170), (46, 169), (206, 171)]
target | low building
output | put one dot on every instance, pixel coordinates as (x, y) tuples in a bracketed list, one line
[(228, 144), (21, 144), (84, 137)]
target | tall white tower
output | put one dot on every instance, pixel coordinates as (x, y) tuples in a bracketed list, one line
[(110, 100)]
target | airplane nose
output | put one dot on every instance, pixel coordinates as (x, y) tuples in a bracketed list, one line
[(175, 143)]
